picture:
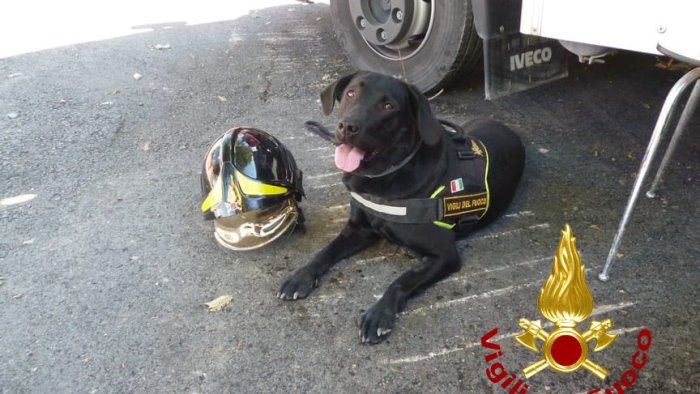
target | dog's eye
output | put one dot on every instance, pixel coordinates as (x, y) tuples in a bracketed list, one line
[(388, 106), (350, 93)]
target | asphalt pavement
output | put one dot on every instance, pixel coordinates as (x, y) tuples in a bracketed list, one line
[(106, 264)]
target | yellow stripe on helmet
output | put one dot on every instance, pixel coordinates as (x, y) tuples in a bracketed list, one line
[(252, 187), (215, 195)]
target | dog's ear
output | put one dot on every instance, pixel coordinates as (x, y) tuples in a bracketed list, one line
[(332, 92), (429, 127)]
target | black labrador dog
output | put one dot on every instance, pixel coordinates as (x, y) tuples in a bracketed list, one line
[(414, 182)]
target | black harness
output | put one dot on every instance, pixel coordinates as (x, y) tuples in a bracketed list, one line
[(461, 198)]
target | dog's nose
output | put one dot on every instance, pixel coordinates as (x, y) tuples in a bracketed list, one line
[(347, 128)]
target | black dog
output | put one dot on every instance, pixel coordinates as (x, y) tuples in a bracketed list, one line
[(413, 183)]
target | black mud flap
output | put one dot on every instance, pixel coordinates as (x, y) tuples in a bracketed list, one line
[(514, 62)]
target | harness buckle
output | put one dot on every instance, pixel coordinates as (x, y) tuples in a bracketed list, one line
[(465, 155)]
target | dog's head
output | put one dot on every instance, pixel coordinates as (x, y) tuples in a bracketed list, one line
[(382, 121)]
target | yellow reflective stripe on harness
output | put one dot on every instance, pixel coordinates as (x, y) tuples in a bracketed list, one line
[(486, 181), (437, 191), (444, 225), (438, 223)]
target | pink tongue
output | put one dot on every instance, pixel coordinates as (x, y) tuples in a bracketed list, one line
[(347, 157)]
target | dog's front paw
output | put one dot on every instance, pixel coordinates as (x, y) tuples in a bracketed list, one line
[(298, 285), (377, 323)]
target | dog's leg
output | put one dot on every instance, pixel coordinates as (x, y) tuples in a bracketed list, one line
[(353, 239), (379, 320)]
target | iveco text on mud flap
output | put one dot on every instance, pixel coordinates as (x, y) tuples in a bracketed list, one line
[(516, 62), (529, 58)]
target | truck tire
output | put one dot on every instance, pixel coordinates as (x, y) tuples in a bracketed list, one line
[(437, 40)]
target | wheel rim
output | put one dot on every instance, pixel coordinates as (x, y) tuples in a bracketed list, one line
[(393, 29)]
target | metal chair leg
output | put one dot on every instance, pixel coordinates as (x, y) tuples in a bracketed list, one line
[(682, 125), (661, 123)]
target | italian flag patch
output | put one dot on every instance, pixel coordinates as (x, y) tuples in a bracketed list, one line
[(456, 185)]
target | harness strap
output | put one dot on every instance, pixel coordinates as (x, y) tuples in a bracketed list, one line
[(410, 211)]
